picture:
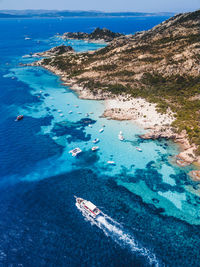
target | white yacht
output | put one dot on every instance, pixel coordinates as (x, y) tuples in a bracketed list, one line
[(96, 140), (120, 136), (87, 206), (75, 151), (101, 130), (111, 162), (94, 148)]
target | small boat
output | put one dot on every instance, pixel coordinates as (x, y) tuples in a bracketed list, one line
[(27, 38), (12, 77), (91, 112), (120, 136), (101, 130), (111, 162), (61, 115), (94, 148), (138, 149), (87, 115), (75, 151), (70, 112), (79, 112), (20, 117), (59, 111), (87, 207), (90, 125), (76, 106), (95, 140)]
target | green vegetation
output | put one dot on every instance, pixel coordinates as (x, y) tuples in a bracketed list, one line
[(105, 67), (123, 73)]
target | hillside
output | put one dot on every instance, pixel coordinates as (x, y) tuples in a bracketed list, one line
[(161, 65), (70, 13)]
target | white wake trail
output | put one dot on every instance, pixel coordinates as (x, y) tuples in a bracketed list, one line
[(114, 230)]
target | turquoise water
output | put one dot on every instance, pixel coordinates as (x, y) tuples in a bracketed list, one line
[(151, 207)]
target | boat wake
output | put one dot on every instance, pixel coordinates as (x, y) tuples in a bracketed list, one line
[(114, 230)]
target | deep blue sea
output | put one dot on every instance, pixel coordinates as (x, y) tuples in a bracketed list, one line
[(151, 209)]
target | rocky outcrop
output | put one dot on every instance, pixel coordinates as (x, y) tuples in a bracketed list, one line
[(98, 34), (55, 51), (160, 132), (195, 175), (184, 158)]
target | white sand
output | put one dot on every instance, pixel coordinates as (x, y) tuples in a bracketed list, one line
[(137, 109)]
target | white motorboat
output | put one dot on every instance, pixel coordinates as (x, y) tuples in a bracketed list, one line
[(70, 112), (95, 140), (138, 149), (87, 206), (94, 148), (120, 136), (101, 130), (111, 162), (75, 151)]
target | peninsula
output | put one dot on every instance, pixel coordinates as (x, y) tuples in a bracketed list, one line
[(152, 77)]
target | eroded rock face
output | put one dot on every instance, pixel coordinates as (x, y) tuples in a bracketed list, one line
[(195, 175), (160, 132)]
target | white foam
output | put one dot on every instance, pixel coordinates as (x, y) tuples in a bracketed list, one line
[(114, 230)]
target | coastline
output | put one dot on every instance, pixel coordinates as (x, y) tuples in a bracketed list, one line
[(137, 110)]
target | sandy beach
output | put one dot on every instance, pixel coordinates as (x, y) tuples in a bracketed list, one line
[(138, 110)]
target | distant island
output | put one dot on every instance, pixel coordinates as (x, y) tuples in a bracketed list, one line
[(68, 13), (152, 77)]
